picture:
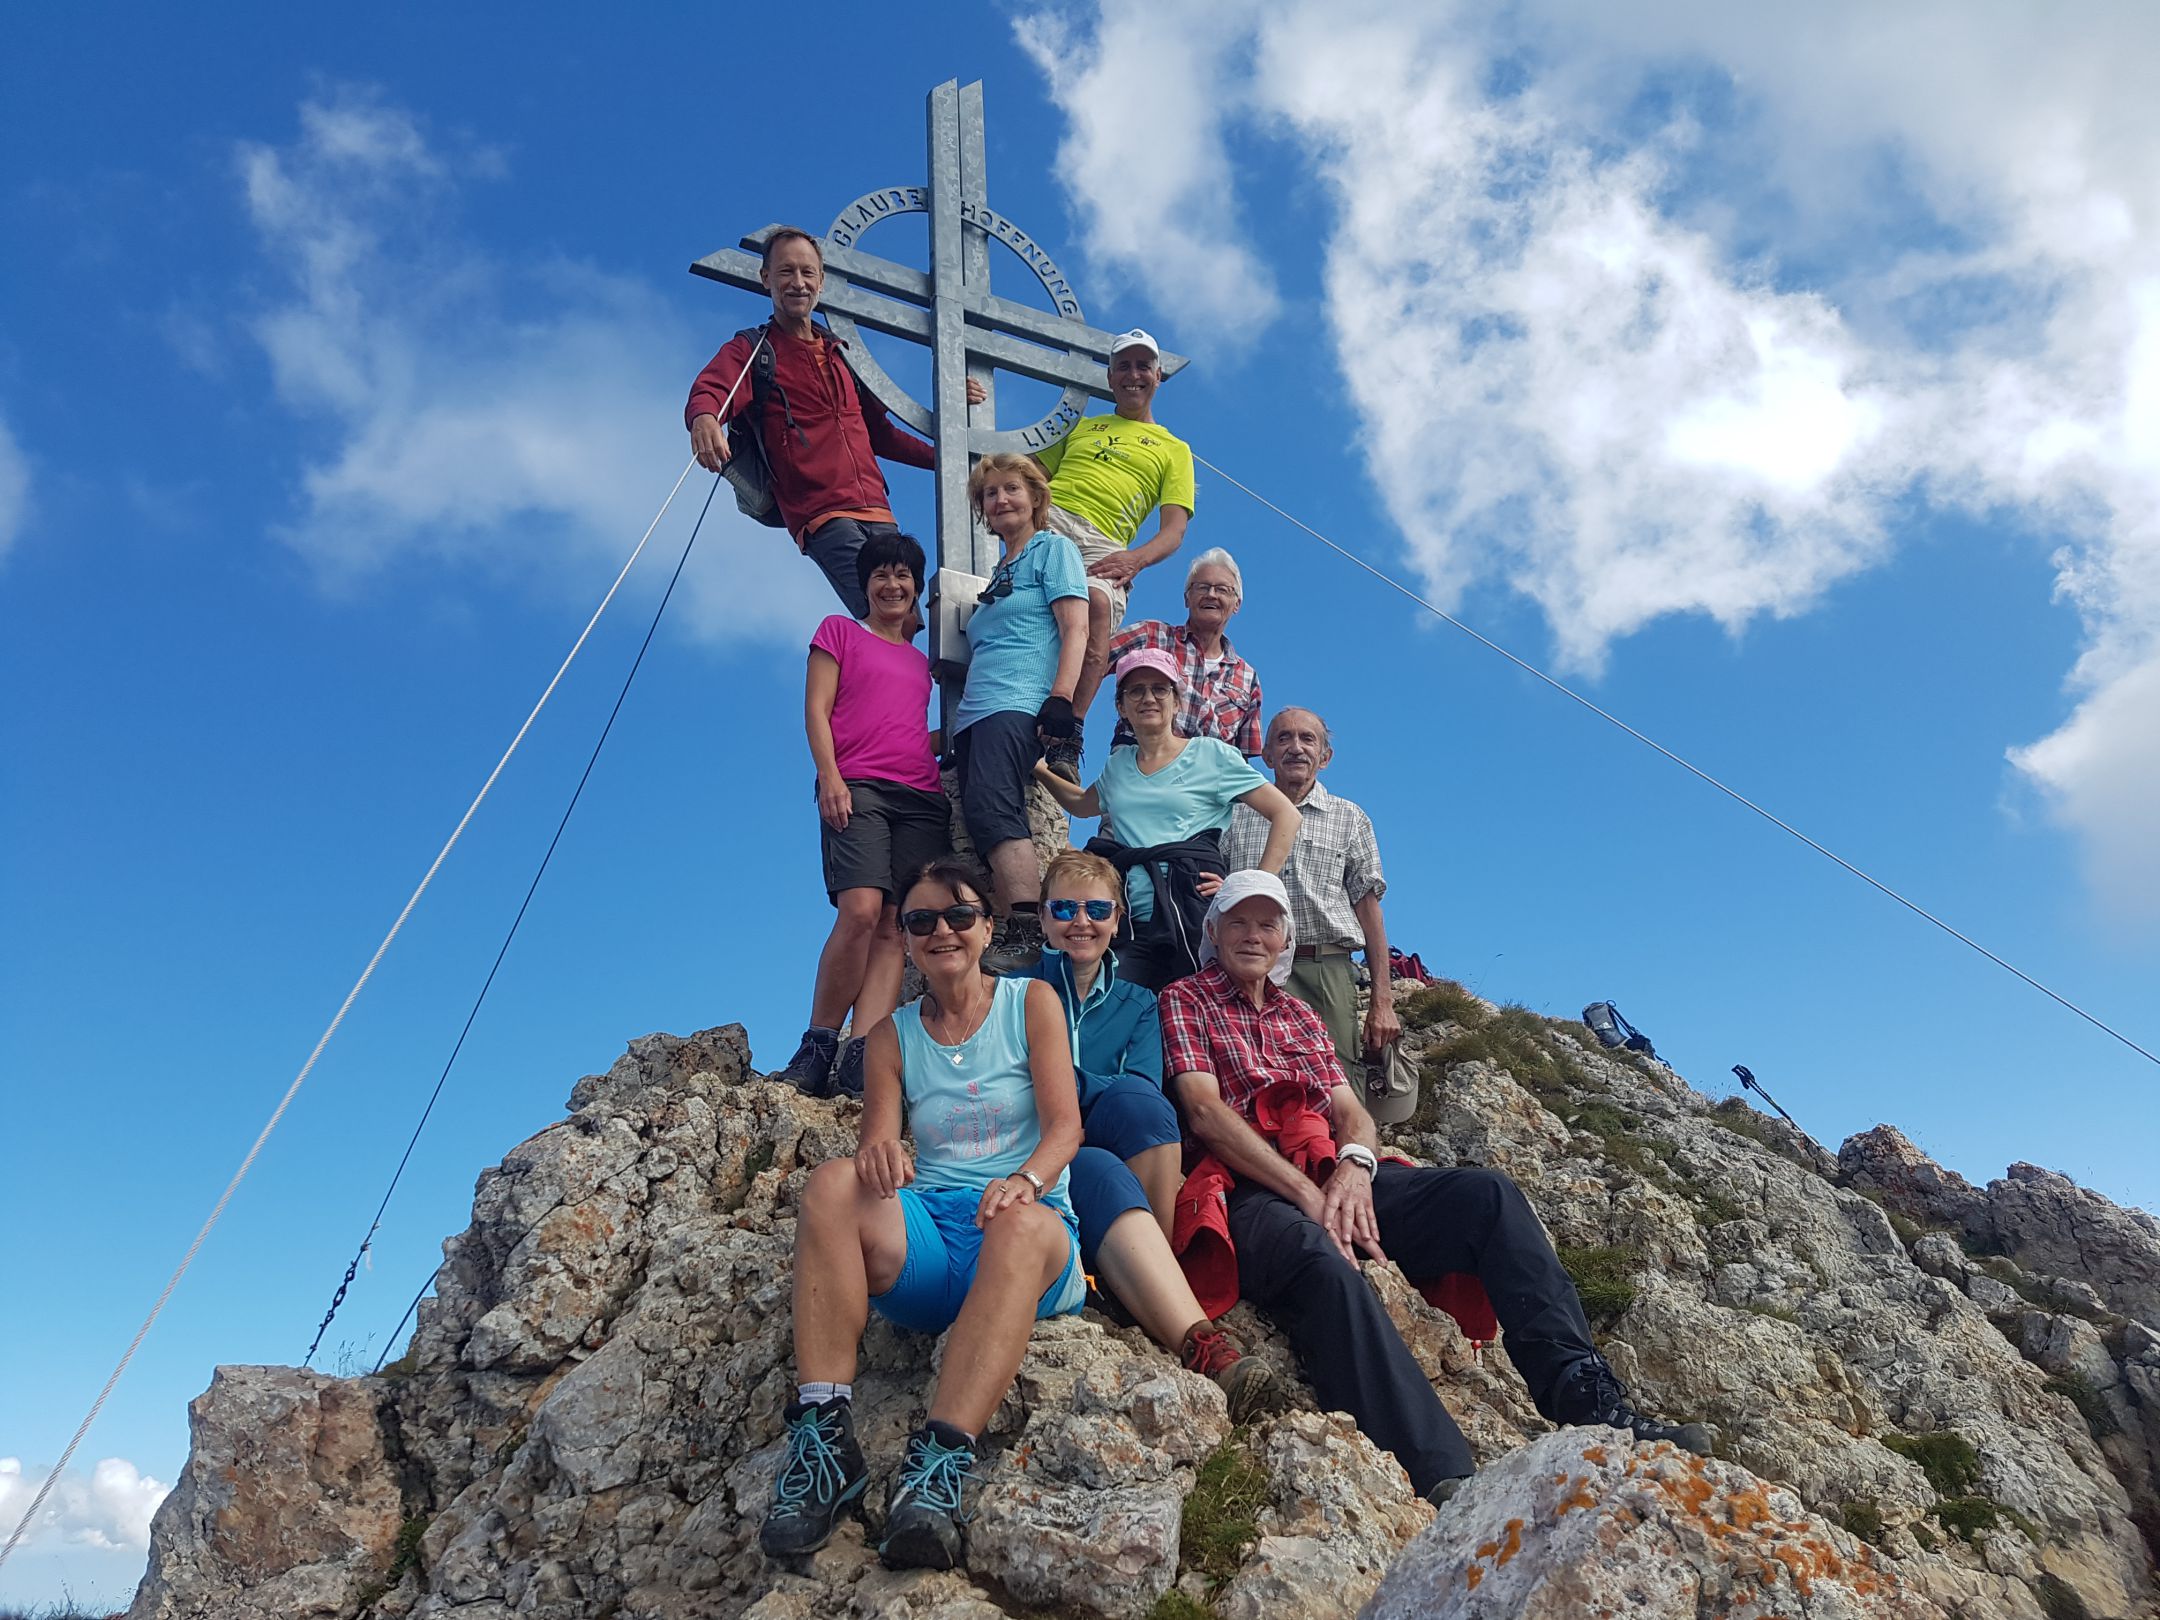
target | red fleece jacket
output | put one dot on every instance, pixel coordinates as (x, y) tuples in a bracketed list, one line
[(827, 461), (1200, 1233)]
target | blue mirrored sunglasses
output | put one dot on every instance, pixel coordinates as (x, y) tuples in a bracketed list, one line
[(1097, 910)]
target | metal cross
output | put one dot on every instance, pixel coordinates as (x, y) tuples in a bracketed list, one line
[(969, 330)]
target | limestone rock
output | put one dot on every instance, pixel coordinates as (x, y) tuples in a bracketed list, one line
[(1568, 1527), (289, 1504), (588, 1417)]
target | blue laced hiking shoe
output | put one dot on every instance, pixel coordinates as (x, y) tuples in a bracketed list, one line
[(822, 1476), (1593, 1394), (928, 1506), (809, 1071)]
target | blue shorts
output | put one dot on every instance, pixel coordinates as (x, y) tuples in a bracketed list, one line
[(1102, 1190), (943, 1245), (1129, 1115)]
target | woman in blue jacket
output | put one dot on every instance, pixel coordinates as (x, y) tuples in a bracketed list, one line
[(1125, 1176)]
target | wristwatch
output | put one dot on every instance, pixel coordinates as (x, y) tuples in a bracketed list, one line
[(1031, 1178), (1363, 1157)]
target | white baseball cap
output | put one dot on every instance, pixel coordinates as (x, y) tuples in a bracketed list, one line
[(1135, 339)]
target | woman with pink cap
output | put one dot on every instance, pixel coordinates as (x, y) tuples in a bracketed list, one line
[(1165, 801)]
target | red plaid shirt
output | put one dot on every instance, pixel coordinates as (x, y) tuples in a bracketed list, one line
[(1210, 1026), (1223, 703)]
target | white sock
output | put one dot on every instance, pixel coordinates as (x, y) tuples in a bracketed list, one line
[(816, 1394)]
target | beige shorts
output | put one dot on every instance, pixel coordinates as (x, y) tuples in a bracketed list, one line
[(1092, 544)]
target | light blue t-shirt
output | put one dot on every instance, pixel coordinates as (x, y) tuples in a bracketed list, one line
[(972, 1106), (1013, 641), (1192, 793)]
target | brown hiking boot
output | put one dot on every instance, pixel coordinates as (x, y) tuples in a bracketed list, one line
[(1252, 1388)]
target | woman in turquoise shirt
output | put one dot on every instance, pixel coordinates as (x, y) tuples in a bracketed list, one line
[(972, 1231), (1165, 801)]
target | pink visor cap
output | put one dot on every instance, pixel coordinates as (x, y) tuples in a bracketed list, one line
[(1150, 658)]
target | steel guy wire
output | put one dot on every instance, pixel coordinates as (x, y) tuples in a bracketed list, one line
[(248, 1163), (1689, 766)]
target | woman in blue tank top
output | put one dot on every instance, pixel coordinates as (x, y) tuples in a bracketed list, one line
[(971, 1231)]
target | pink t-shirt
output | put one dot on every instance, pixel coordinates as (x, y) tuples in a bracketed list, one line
[(881, 714)]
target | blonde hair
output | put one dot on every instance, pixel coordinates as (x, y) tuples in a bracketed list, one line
[(1078, 866), (1000, 462)]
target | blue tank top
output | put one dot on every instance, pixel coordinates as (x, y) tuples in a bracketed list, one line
[(972, 1106)]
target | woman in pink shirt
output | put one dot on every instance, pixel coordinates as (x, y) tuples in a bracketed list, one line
[(866, 707)]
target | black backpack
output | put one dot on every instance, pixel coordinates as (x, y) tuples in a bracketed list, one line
[(749, 469), (1614, 1031)]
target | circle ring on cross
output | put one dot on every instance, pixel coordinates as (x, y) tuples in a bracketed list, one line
[(865, 211)]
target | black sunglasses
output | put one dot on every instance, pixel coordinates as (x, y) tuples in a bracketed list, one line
[(1097, 910), (922, 924), (1001, 585)]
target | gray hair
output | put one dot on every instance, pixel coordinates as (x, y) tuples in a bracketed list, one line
[(1326, 736), (1216, 557)]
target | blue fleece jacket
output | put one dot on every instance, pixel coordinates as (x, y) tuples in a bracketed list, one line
[(1116, 1030)]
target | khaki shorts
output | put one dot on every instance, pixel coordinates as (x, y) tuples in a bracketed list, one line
[(1092, 544)]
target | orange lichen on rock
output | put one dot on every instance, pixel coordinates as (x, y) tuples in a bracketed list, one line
[(1472, 1576), (1514, 1543), (1594, 1454)]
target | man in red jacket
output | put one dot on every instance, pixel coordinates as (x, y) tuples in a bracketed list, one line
[(822, 434)]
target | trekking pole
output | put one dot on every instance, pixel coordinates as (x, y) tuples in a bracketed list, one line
[(1749, 1082)]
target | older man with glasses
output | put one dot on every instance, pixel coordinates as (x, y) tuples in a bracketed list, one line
[(1218, 692)]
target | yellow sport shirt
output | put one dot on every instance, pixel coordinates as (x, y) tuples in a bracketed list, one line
[(1114, 472)]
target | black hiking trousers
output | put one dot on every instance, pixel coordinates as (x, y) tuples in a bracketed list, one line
[(1431, 1222)]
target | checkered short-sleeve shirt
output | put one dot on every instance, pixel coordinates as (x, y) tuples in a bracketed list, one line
[(1210, 1026)]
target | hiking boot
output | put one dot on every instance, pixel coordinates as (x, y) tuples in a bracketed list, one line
[(1016, 944), (1062, 755), (1250, 1385), (822, 1476), (1593, 1394), (1443, 1491), (928, 1505), (847, 1079), (809, 1071)]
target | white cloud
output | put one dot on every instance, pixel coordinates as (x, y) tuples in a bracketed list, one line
[(110, 1510), (1145, 159), (522, 416), (1669, 309), (14, 488)]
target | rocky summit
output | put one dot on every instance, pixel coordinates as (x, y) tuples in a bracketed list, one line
[(1931, 1399)]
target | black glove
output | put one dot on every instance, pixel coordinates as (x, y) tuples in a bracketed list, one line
[(1055, 718)]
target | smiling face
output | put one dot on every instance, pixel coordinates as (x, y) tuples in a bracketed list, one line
[(1135, 374), (1083, 939), (1249, 937), (943, 953), (892, 592), (795, 277), (1297, 748), (1147, 701), (1211, 596)]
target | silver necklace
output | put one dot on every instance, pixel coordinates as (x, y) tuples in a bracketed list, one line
[(956, 1050)]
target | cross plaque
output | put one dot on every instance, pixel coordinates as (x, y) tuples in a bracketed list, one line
[(970, 331)]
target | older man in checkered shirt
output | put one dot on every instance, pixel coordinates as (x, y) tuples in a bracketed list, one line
[(1335, 886)]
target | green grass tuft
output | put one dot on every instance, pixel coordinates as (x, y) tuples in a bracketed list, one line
[(1863, 1518), (2077, 1389), (1221, 1513), (2058, 1601), (1442, 1002), (1969, 1516), (1777, 1313), (1946, 1457), (1175, 1605), (1604, 1280)]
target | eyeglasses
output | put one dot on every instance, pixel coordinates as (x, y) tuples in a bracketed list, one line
[(1209, 588), (1097, 910), (1000, 586), (922, 924)]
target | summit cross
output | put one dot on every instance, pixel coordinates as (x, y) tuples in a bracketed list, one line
[(969, 330)]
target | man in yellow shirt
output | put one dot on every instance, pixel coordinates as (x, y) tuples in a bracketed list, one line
[(1106, 476)]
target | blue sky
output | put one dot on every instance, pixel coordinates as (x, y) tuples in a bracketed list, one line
[(1750, 376)]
